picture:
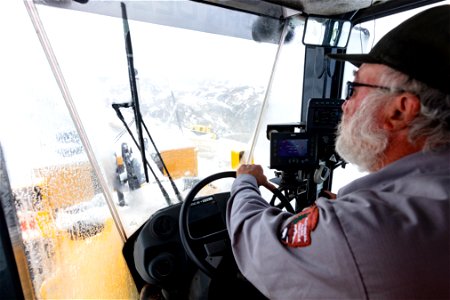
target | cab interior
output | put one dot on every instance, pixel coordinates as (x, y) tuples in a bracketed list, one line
[(123, 123)]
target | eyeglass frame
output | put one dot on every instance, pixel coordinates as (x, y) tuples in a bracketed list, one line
[(352, 84)]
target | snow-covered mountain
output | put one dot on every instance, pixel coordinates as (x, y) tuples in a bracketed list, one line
[(229, 110)]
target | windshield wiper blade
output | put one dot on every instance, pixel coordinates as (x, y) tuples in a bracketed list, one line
[(133, 87)]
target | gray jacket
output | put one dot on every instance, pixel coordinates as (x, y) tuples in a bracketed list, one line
[(385, 236)]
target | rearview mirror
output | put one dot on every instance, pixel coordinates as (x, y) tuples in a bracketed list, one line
[(324, 32)]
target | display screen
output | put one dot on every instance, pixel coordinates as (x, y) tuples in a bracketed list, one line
[(289, 150), (293, 148)]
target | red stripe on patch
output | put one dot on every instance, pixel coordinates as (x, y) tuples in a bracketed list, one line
[(298, 232)]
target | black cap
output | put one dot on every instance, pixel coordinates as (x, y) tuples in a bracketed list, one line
[(418, 47)]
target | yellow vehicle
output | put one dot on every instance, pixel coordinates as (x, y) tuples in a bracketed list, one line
[(98, 148), (201, 129)]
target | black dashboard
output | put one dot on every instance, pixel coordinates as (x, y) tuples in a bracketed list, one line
[(156, 254)]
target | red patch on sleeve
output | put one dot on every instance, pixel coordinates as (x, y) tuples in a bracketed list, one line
[(298, 232)]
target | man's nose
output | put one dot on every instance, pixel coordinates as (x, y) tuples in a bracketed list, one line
[(344, 105)]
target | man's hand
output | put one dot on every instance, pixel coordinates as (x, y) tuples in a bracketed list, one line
[(327, 194), (257, 172)]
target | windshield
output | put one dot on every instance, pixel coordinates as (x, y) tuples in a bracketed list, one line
[(200, 96)]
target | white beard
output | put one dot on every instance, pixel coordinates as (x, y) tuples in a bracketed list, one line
[(360, 141)]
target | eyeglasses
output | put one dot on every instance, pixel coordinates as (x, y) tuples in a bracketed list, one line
[(351, 88)]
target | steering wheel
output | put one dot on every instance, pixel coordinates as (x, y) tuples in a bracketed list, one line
[(189, 242)]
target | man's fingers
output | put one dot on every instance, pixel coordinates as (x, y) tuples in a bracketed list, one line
[(269, 186), (327, 194)]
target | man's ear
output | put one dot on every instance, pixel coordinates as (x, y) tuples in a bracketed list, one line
[(401, 111)]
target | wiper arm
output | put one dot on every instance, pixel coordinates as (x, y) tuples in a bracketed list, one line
[(175, 189), (116, 108)]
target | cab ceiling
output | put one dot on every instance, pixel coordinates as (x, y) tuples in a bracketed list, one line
[(326, 7), (315, 7), (209, 15), (353, 10)]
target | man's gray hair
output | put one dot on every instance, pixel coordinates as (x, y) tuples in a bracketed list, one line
[(433, 121)]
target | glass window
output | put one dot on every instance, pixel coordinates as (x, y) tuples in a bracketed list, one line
[(364, 36)]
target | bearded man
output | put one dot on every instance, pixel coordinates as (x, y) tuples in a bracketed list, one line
[(386, 235)]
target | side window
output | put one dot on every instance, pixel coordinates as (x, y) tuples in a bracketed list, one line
[(363, 37), (72, 245)]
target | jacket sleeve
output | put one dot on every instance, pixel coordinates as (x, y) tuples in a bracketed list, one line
[(281, 272)]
